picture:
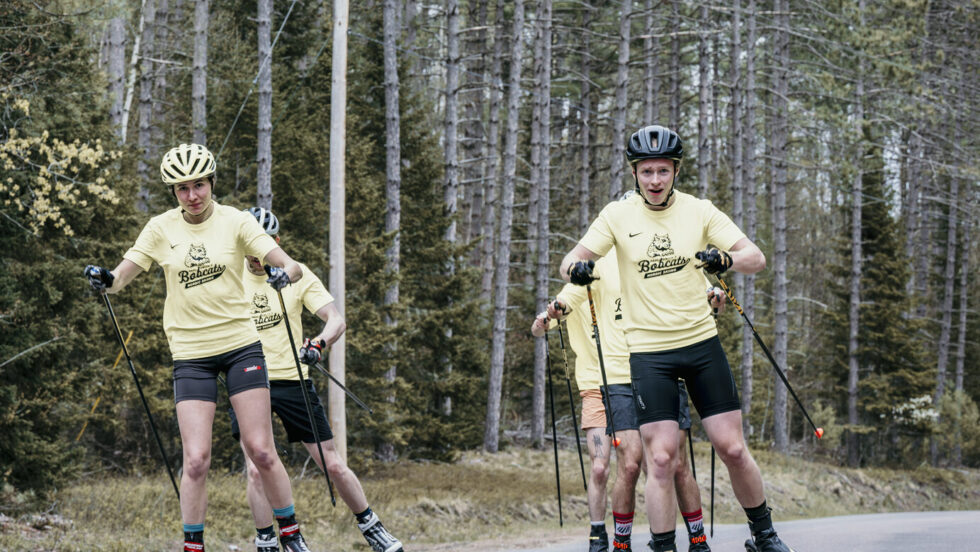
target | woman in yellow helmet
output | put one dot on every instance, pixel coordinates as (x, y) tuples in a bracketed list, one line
[(200, 245)]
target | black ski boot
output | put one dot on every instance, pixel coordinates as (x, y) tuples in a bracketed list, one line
[(599, 542), (621, 546), (270, 544), (698, 543), (294, 543), (662, 547), (766, 541)]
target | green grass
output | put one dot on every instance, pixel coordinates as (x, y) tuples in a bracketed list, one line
[(498, 500)]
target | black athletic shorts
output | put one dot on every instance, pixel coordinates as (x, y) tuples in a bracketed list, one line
[(703, 366), (624, 407), (288, 404), (244, 369)]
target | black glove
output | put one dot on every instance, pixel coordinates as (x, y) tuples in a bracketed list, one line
[(580, 273), (310, 352), (99, 278), (278, 278), (715, 261)]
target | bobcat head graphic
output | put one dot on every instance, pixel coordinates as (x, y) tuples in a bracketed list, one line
[(196, 256), (261, 302), (660, 246)]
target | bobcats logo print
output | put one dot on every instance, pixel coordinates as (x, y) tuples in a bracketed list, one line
[(261, 302), (660, 246), (196, 256)]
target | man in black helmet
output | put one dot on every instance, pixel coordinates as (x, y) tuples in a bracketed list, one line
[(662, 238)]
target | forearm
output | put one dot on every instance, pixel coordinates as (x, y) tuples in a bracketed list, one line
[(578, 253), (123, 274), (332, 331), (747, 258)]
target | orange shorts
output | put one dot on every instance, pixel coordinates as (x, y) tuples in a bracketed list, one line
[(593, 411)]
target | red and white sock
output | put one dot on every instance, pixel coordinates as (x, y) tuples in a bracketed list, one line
[(624, 529), (694, 521)]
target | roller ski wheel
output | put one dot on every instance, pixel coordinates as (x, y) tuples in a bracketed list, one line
[(766, 541)]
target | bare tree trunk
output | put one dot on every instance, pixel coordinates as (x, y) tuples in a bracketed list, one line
[(263, 177), (146, 163), (585, 158), (338, 216), (131, 83), (410, 25), (474, 139), (651, 109), (116, 67), (543, 184), (749, 184), (704, 89), (854, 304), (451, 182), (779, 183), (738, 189), (961, 337), (393, 208), (675, 67), (619, 112), (199, 77), (163, 48), (946, 325), (493, 157), (491, 437)]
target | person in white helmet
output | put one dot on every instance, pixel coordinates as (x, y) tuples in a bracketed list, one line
[(200, 245), (287, 395)]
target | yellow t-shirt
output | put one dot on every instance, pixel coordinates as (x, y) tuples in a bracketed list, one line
[(609, 315), (205, 313), (664, 300), (266, 313)]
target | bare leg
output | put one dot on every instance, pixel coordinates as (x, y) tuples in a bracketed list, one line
[(255, 422), (660, 455), (629, 455), (598, 443), (255, 492), (194, 419), (348, 486), (688, 494), (725, 432)]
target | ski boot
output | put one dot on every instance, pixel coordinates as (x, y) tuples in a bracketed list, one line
[(662, 547), (698, 543), (294, 543), (621, 545), (266, 545), (766, 541), (378, 537), (599, 542)]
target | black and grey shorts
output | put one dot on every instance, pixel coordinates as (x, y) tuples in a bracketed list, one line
[(288, 404), (703, 366), (244, 369)]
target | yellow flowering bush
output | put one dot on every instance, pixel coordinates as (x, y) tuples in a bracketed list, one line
[(42, 176)]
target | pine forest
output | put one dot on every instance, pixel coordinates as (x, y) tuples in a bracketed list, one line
[(432, 161)]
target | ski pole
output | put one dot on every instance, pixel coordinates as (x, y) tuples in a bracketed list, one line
[(571, 403), (606, 399), (818, 431), (712, 492), (302, 386), (554, 433), (690, 444), (350, 393), (139, 388)]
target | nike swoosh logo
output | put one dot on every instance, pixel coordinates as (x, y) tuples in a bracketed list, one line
[(173, 245), (635, 235)]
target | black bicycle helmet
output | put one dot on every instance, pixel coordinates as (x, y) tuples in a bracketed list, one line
[(654, 142)]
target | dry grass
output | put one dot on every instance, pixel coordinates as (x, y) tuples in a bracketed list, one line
[(496, 500)]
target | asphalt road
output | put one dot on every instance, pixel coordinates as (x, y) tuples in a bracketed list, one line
[(898, 532)]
